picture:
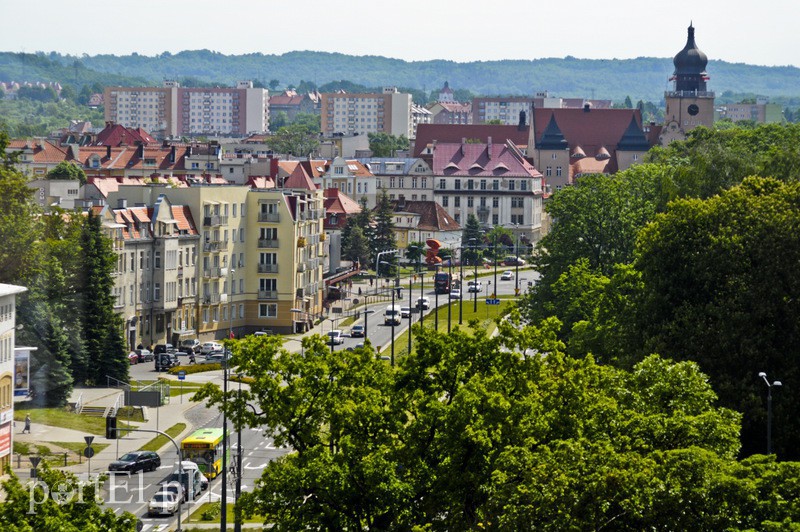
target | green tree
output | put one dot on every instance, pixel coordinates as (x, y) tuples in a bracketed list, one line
[(472, 239), (278, 120), (721, 287), (65, 170), (309, 120), (384, 237), (415, 252), (294, 139), (58, 501), (102, 328), (357, 248), (273, 84), (386, 145)]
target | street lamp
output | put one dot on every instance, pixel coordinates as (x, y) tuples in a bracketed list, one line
[(475, 280), (223, 520), (421, 296), (449, 292), (769, 408), (410, 306), (367, 312), (393, 312), (461, 285)]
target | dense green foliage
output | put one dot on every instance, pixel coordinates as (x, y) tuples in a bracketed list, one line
[(295, 139), (682, 258), (384, 237), (28, 118), (642, 78), (503, 433), (65, 170), (386, 145)]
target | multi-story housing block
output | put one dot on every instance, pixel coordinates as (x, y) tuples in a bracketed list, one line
[(170, 110), (493, 181), (760, 112), (14, 374), (410, 177), (259, 255), (388, 112)]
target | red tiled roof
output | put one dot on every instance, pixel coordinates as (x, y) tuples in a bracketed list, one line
[(119, 135), (340, 203), (183, 216), (299, 178), (43, 151), (474, 160), (427, 133), (261, 182), (433, 217)]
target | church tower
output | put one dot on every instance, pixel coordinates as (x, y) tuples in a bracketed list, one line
[(689, 104)]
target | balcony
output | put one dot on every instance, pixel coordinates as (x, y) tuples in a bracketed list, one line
[(270, 244), (267, 294), (301, 267), (211, 273), (211, 246), (210, 299), (267, 268), (180, 272), (269, 217)]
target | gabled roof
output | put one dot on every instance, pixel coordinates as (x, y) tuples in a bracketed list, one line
[(378, 165), (481, 160), (42, 151), (299, 178), (433, 217), (337, 202), (137, 220), (118, 135), (450, 133)]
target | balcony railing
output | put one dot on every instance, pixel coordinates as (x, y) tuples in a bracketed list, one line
[(215, 221), (212, 246), (180, 272), (690, 94), (267, 268), (268, 243), (269, 217), (267, 294), (210, 299), (301, 267), (212, 272)]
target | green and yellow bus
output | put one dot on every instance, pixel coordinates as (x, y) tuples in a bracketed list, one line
[(204, 447)]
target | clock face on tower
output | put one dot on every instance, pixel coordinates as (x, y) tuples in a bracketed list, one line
[(693, 109)]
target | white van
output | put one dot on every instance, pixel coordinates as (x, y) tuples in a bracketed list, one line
[(193, 480), (392, 315)]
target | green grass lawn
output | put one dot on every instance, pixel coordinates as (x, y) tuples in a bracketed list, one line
[(60, 417), (160, 441), (196, 515), (188, 387), (486, 314)]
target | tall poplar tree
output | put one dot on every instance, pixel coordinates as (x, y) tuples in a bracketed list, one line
[(384, 226)]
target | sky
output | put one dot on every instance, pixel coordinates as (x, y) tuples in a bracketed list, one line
[(762, 33)]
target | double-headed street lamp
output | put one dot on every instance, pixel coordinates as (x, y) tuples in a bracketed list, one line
[(393, 311), (769, 408)]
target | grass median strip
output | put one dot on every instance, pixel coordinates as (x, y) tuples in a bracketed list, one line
[(159, 441)]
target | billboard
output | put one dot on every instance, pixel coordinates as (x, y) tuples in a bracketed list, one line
[(22, 371)]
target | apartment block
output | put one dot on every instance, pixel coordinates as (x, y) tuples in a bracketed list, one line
[(760, 112), (408, 177), (506, 110), (14, 374), (171, 110), (259, 255), (387, 112)]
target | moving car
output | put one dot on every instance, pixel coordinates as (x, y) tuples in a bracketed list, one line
[(514, 261), (455, 293), (391, 316), (208, 347), (357, 331), (190, 346), (216, 357), (423, 303), (163, 503), (335, 337), (405, 312), (507, 276), (164, 361), (164, 348), (136, 461), (474, 286), (176, 489), (193, 481), (145, 355)]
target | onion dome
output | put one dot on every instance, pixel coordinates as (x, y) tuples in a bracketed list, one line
[(690, 60)]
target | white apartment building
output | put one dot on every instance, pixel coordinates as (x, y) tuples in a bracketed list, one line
[(388, 112), (11, 376), (174, 111)]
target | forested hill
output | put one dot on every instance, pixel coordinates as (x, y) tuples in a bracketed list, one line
[(641, 78)]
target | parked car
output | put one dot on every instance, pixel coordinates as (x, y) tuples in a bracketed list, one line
[(133, 358), (455, 293), (164, 361), (423, 303), (474, 286), (507, 276), (405, 312), (335, 337), (357, 331), (145, 355), (216, 357), (208, 347), (190, 346), (136, 461), (514, 261), (163, 503)]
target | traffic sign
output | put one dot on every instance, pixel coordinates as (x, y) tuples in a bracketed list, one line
[(492, 301), (88, 452), (181, 375), (88, 440)]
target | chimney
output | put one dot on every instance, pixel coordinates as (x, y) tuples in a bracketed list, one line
[(273, 167), (521, 125), (489, 147), (140, 151), (108, 152), (463, 145), (587, 107), (122, 203), (172, 155)]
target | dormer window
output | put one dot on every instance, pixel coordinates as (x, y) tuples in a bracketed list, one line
[(95, 162)]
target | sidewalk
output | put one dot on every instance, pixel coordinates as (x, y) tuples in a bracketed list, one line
[(159, 419)]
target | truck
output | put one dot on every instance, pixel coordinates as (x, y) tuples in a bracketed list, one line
[(444, 282), (391, 316)]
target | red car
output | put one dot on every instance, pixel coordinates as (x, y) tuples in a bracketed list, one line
[(133, 358)]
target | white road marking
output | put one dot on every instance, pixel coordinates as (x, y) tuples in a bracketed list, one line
[(260, 466)]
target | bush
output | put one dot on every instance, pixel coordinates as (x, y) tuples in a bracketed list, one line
[(196, 368), (212, 513)]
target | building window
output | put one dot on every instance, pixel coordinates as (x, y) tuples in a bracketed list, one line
[(445, 201), (442, 184), (157, 260), (469, 184), (558, 171), (511, 184), (495, 202), (457, 201), (548, 171), (458, 184), (495, 184), (470, 201), (495, 219), (268, 310), (483, 184)]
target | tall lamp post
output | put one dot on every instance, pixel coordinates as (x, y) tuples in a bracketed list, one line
[(421, 296), (410, 306), (494, 259), (461, 290), (223, 520), (436, 295), (516, 263), (475, 260), (450, 293), (393, 311), (237, 523), (769, 408)]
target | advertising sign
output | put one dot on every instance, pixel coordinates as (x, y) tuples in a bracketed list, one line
[(5, 439), (22, 371)]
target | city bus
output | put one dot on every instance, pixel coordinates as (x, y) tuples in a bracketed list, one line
[(204, 447)]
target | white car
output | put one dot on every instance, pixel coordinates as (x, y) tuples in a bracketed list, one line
[(423, 303), (208, 347), (163, 503), (507, 276), (455, 293), (336, 337), (405, 312), (474, 286)]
